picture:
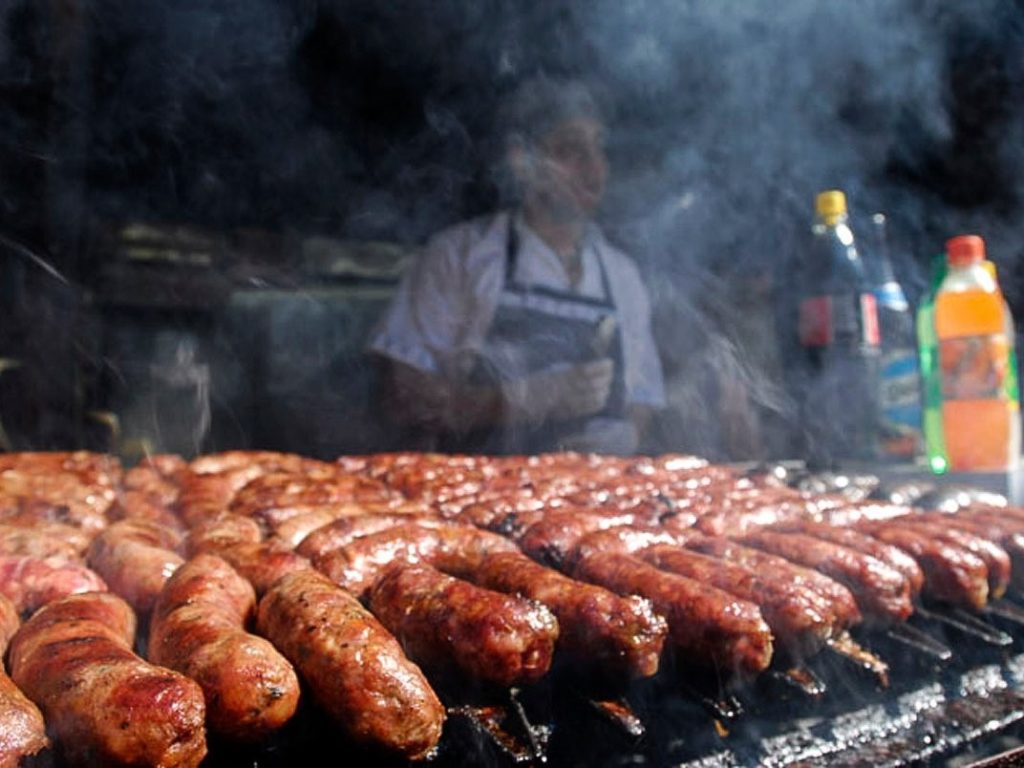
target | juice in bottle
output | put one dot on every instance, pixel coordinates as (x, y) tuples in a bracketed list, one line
[(980, 422)]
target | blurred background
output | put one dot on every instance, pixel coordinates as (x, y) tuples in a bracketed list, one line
[(205, 206)]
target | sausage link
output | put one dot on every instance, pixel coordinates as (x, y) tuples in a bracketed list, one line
[(711, 627), (444, 622), (353, 666), (22, 730), (882, 593), (620, 635), (845, 612), (221, 532), (952, 574), (135, 558), (263, 563), (801, 620), (892, 556), (31, 542), (102, 703), (345, 530), (31, 582), (198, 629), (995, 557), (454, 549)]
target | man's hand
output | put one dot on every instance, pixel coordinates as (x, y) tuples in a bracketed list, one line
[(560, 394)]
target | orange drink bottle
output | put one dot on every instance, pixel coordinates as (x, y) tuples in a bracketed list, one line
[(980, 420)]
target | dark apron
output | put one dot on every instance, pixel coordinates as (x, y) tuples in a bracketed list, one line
[(534, 328)]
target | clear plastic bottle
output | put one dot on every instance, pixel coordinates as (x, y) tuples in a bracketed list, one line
[(899, 384), (839, 337), (980, 420)]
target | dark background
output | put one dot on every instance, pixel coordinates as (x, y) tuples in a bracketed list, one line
[(240, 129)]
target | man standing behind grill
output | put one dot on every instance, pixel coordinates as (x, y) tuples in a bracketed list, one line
[(526, 331)]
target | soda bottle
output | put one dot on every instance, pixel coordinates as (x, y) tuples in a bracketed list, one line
[(839, 339), (980, 421), (931, 382), (899, 386)]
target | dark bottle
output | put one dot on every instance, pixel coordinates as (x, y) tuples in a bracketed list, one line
[(839, 338), (899, 380)]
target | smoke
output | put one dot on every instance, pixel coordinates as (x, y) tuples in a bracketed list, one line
[(368, 120)]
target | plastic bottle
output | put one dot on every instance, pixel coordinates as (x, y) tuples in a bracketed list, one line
[(899, 385), (931, 382), (839, 338), (980, 421)]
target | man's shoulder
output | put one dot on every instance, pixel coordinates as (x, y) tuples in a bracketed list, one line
[(465, 236)]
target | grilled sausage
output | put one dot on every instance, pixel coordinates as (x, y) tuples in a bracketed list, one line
[(135, 558), (892, 556), (198, 629), (552, 539), (620, 635), (31, 542), (221, 532), (801, 620), (263, 563), (354, 667), (22, 730), (711, 627), (345, 530), (1008, 531), (445, 623), (454, 549), (102, 703), (996, 559), (882, 593), (845, 612), (31, 582), (952, 574)]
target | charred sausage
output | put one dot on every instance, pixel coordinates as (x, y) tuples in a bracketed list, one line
[(22, 730), (103, 704), (444, 622), (354, 667), (711, 627), (198, 629), (620, 635)]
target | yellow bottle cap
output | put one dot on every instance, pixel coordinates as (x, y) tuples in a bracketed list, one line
[(830, 204)]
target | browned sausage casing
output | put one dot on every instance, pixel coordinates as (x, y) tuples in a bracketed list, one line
[(714, 628), (845, 612), (801, 620), (952, 574), (31, 582), (198, 628), (454, 549), (102, 703), (621, 635), (882, 593), (444, 622), (354, 667), (892, 556), (995, 557), (22, 731), (135, 559)]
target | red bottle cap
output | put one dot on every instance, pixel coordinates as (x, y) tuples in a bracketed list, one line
[(964, 250)]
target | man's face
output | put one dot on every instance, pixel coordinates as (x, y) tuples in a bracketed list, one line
[(568, 172)]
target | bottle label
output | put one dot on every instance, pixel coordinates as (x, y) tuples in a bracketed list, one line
[(900, 402), (825, 320), (973, 367)]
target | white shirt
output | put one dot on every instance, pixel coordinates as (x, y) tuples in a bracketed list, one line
[(447, 299)]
